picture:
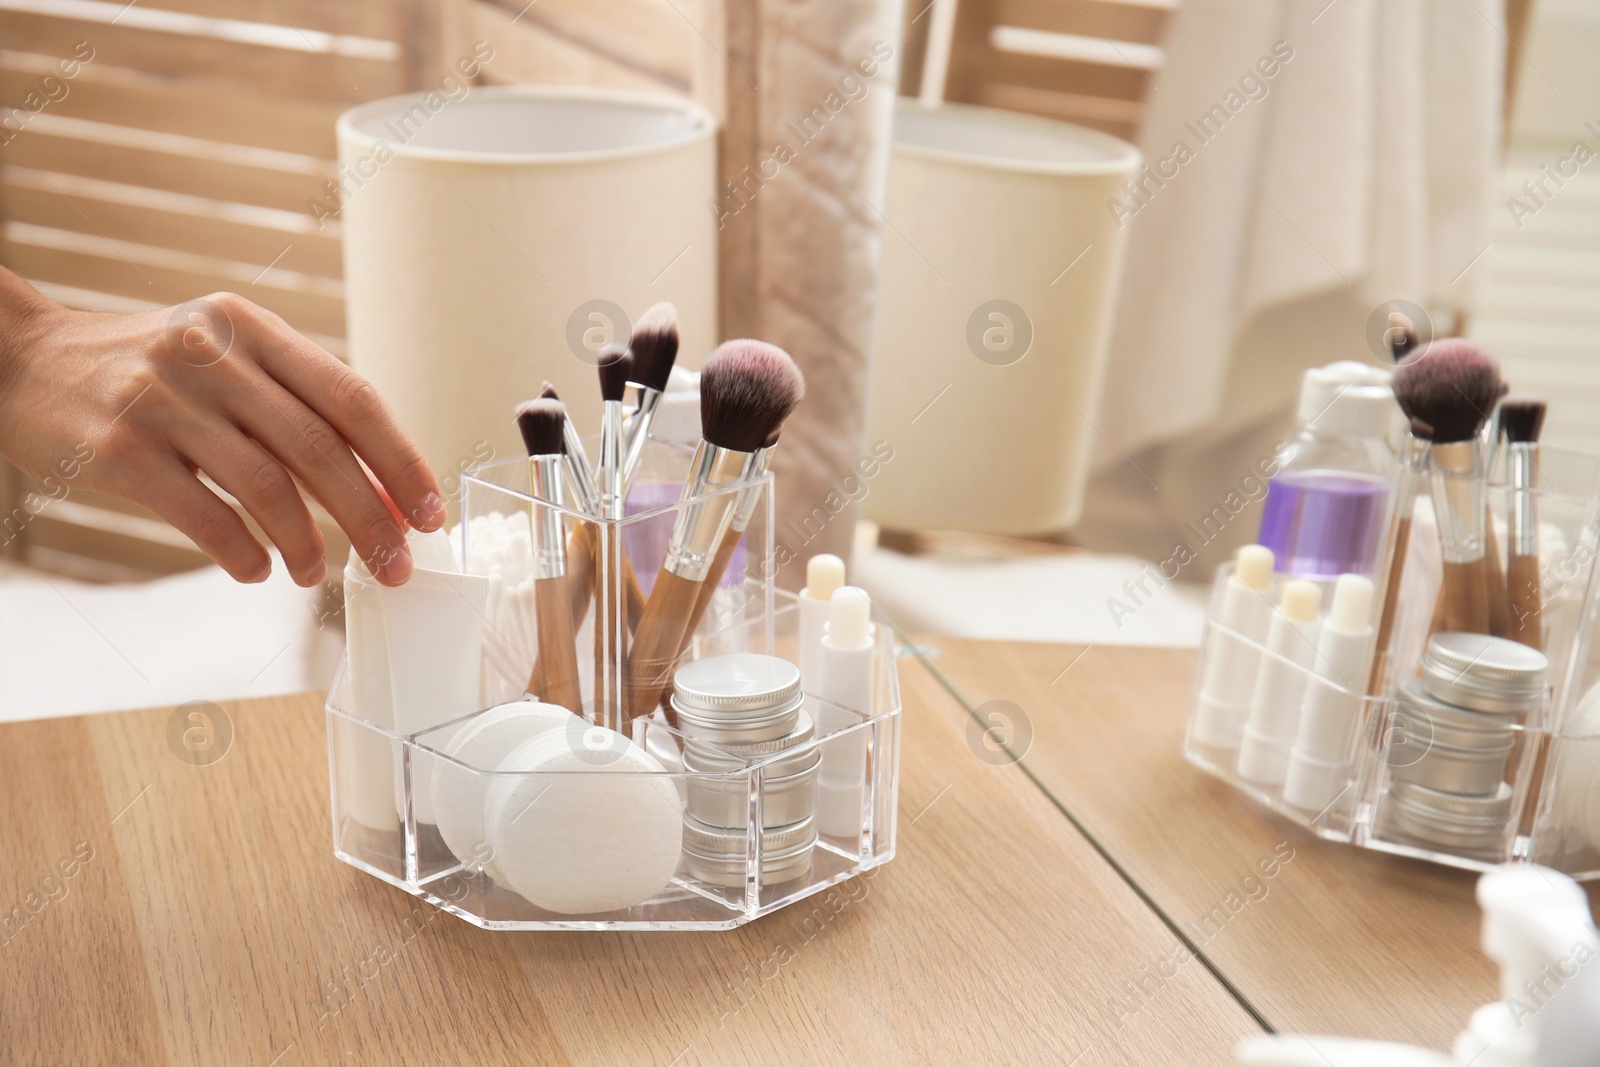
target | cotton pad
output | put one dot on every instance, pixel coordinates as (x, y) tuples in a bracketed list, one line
[(459, 794), (590, 823)]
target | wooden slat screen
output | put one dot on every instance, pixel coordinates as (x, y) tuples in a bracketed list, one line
[(1092, 62)]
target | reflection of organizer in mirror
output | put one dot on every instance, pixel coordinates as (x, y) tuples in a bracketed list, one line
[(1469, 747), (459, 778)]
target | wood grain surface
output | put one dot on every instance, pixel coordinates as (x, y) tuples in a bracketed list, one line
[(205, 921), (1342, 941)]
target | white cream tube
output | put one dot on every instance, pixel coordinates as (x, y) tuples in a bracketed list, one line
[(1232, 659), (1275, 710), (824, 574), (1319, 762), (366, 762), (434, 625), (845, 699)]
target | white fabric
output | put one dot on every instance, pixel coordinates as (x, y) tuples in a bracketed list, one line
[(1363, 175)]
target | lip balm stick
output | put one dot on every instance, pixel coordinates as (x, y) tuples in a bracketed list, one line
[(824, 575), (845, 700), (1319, 768), (1232, 660), (1275, 711)]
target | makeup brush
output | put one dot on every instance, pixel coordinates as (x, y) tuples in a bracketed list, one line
[(1449, 389), (581, 482), (1521, 420), (654, 345), (742, 514), (747, 390), (555, 671), (615, 367), (1495, 575)]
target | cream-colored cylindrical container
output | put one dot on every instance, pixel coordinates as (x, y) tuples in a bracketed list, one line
[(505, 237), (999, 277)]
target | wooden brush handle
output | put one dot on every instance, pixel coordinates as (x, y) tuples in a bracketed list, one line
[(555, 672), (708, 588), (1391, 604), (1525, 601), (1464, 595), (581, 567), (656, 642), (633, 595), (1500, 621)]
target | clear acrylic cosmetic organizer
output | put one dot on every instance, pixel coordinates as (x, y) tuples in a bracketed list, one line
[(747, 614), (1552, 771)]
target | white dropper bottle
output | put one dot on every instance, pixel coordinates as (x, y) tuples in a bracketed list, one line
[(824, 574), (846, 699), (1319, 762), (1232, 659), (1275, 711)]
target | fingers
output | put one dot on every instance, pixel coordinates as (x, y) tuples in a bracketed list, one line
[(306, 444), (174, 493), (261, 484), (350, 404)]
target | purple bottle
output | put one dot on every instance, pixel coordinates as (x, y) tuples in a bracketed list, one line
[(1327, 506)]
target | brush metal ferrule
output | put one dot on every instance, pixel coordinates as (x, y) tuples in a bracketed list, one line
[(636, 434), (700, 525), (1458, 499), (610, 478), (1522, 461), (580, 476), (745, 510), (547, 478)]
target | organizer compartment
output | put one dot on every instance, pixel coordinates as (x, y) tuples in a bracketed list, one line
[(551, 848), (1460, 788)]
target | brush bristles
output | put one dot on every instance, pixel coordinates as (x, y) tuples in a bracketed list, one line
[(771, 440), (1522, 417), (747, 389), (543, 425), (548, 392), (616, 367), (1448, 390), (655, 346)]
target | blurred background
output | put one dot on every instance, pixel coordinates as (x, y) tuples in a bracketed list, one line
[(1070, 352)]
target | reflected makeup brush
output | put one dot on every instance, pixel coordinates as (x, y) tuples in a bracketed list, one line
[(615, 366), (1521, 420), (742, 514), (1449, 389), (747, 390), (555, 671), (654, 345)]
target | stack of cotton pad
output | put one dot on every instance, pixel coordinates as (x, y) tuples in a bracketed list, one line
[(588, 823)]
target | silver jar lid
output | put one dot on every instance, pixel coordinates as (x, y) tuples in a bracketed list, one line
[(1434, 721), (739, 697), (1451, 820), (736, 755), (1484, 673), (718, 856)]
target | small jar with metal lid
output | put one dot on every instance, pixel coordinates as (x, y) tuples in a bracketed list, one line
[(736, 711), (788, 783), (1450, 820), (741, 697), (1484, 673), (716, 855), (1445, 747)]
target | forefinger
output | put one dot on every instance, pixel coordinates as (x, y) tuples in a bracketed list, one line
[(352, 406)]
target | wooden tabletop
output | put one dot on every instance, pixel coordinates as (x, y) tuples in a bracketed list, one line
[(1341, 940), (156, 912)]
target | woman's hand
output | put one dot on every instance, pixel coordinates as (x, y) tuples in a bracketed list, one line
[(143, 402)]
